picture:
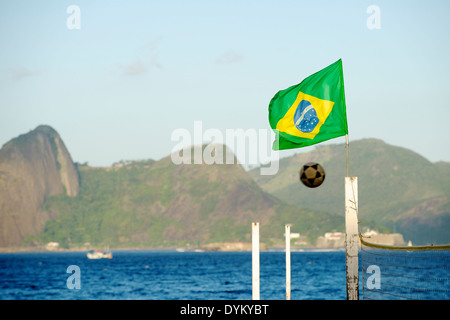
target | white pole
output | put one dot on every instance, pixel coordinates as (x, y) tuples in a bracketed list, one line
[(288, 261), (351, 237), (255, 261)]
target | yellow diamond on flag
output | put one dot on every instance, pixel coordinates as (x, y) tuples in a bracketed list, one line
[(305, 117)]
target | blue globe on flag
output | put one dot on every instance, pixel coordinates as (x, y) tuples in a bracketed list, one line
[(305, 117)]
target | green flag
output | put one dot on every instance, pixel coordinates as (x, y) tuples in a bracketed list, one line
[(310, 112)]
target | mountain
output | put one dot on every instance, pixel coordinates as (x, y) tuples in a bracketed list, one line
[(157, 204), (397, 187), (45, 197), (33, 167)]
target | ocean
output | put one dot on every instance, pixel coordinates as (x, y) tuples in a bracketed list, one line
[(170, 275)]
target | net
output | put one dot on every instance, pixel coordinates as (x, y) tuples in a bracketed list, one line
[(405, 273)]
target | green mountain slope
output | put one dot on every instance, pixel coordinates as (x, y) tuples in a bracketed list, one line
[(155, 204), (397, 187)]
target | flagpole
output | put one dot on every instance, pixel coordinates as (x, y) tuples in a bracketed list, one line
[(351, 233), (346, 143)]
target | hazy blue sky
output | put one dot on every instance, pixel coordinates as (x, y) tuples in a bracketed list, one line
[(137, 70)]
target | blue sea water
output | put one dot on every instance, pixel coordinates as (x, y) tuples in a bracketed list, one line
[(171, 275)]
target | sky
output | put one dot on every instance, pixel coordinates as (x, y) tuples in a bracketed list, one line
[(118, 79)]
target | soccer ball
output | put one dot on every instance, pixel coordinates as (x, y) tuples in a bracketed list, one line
[(312, 174)]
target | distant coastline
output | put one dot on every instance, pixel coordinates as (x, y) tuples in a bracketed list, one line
[(330, 241)]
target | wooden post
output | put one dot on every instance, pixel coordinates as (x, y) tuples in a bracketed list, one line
[(255, 261), (351, 237), (288, 261)]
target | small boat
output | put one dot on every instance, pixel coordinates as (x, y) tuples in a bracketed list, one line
[(99, 254)]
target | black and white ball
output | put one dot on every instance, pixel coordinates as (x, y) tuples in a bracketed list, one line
[(312, 174)]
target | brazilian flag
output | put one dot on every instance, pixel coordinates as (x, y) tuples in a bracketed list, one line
[(310, 112)]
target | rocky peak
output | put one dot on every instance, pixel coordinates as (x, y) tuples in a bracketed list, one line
[(33, 166)]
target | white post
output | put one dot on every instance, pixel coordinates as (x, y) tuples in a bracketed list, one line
[(351, 237), (255, 261), (288, 261)]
